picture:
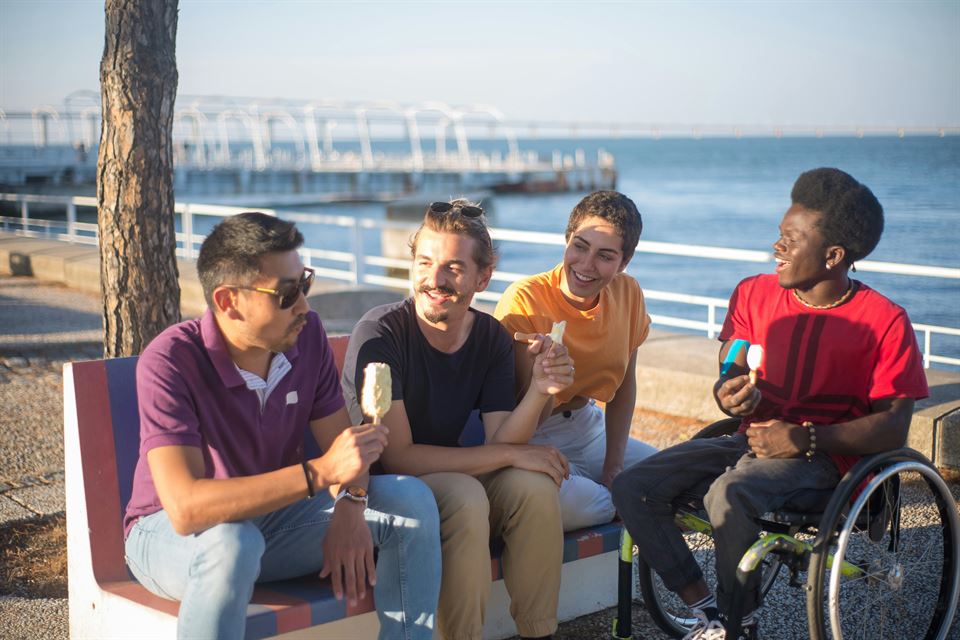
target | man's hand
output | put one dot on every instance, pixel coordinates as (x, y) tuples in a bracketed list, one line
[(777, 439), (544, 459), (352, 453), (738, 397), (348, 553)]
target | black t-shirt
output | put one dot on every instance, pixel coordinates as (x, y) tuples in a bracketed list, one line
[(439, 390)]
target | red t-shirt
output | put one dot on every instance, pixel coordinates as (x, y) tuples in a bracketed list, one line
[(825, 365)]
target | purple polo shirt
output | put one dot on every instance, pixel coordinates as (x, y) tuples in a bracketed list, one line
[(191, 394)]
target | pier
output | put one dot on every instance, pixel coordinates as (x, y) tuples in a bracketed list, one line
[(260, 151)]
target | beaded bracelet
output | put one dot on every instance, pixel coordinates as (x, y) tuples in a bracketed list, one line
[(306, 474), (812, 449)]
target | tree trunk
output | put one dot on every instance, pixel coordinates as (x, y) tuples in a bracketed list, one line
[(138, 85)]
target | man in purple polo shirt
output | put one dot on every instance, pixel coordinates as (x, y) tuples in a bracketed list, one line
[(223, 496)]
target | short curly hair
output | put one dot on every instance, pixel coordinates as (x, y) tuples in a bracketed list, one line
[(850, 215), (615, 208)]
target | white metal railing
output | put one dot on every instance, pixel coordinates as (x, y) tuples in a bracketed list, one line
[(355, 262)]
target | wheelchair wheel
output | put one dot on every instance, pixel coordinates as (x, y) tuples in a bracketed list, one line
[(887, 566), (666, 609)]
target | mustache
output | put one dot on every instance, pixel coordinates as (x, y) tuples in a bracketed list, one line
[(444, 290), (297, 322)]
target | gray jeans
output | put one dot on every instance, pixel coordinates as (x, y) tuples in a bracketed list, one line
[(582, 437), (735, 488)]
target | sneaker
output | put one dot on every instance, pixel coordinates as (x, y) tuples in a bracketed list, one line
[(706, 629)]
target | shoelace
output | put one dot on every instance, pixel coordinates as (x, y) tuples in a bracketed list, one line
[(706, 629)]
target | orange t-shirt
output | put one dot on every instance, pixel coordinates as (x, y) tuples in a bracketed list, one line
[(600, 340)]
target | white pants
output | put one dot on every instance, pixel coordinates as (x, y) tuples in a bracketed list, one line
[(582, 437)]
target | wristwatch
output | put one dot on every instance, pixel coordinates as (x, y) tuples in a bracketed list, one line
[(352, 493)]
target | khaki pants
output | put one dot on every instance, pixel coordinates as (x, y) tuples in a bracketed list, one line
[(523, 508)]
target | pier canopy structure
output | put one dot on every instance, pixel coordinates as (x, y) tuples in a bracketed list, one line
[(302, 150)]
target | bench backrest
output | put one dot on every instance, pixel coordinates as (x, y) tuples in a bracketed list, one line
[(108, 424)]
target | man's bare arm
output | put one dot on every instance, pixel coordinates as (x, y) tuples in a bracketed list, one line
[(195, 503), (402, 455)]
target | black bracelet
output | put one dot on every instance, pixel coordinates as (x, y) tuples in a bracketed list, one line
[(306, 474)]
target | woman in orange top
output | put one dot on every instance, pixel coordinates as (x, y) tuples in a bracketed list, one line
[(606, 322)]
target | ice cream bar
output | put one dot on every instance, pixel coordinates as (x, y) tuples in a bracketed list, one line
[(754, 360), (556, 333), (377, 389)]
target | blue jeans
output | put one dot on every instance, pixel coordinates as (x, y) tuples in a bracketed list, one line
[(212, 573)]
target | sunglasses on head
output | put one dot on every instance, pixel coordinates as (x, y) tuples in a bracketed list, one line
[(287, 293), (467, 210)]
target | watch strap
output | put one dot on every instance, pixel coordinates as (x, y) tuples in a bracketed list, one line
[(345, 494)]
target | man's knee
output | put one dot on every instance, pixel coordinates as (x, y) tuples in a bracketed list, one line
[(231, 550), (526, 491), (405, 497), (729, 492), (632, 493), (462, 502)]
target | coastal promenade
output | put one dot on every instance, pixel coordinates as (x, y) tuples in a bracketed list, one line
[(50, 314)]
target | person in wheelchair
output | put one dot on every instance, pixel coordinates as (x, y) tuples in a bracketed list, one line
[(839, 377)]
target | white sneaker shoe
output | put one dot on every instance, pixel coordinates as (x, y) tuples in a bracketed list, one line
[(706, 629)]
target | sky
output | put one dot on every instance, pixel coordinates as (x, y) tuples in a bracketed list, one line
[(752, 63)]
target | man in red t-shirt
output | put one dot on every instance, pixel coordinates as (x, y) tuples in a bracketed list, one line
[(839, 376)]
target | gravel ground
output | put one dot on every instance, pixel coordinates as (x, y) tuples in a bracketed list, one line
[(42, 314), (33, 618), (35, 318), (43, 326)]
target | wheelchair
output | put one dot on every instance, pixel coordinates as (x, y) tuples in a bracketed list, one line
[(882, 559)]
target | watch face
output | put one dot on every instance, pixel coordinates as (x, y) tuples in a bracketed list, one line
[(357, 492)]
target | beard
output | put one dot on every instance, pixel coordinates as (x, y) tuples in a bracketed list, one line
[(436, 314), (292, 334), (434, 317)]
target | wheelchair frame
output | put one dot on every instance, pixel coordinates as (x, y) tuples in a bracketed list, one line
[(850, 509)]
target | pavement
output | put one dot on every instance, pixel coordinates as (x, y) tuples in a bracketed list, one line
[(44, 324)]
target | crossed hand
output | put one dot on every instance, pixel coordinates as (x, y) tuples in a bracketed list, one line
[(552, 365)]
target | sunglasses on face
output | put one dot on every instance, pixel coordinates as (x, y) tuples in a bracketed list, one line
[(468, 210), (288, 293)]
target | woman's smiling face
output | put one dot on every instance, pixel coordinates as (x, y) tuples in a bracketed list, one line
[(593, 257)]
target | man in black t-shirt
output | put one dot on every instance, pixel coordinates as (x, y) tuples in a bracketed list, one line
[(449, 363)]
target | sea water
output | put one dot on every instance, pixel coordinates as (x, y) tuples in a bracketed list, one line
[(733, 193)]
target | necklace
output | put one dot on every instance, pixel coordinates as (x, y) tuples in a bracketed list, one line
[(836, 303)]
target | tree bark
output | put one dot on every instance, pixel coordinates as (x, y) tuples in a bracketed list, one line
[(138, 85)]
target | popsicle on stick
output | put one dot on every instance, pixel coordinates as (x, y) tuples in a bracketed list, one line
[(556, 333), (377, 391), (754, 360)]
